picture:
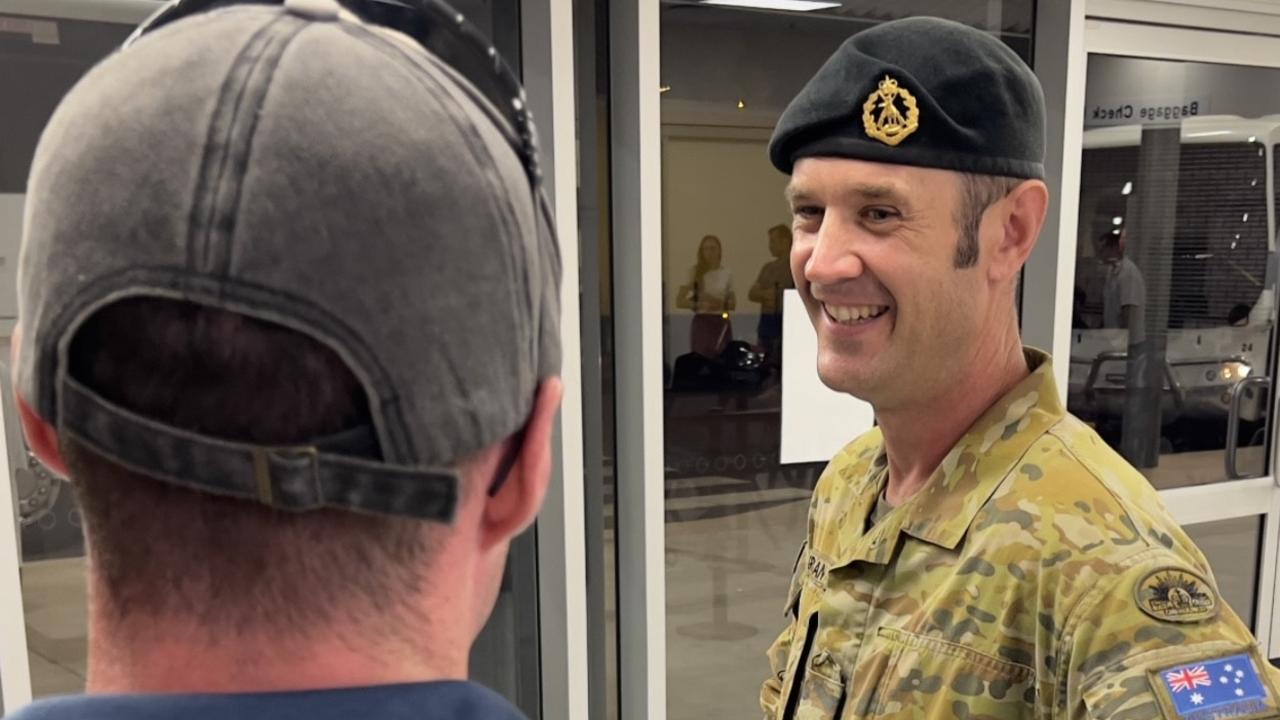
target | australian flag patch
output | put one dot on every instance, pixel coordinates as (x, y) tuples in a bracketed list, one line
[(1216, 689)]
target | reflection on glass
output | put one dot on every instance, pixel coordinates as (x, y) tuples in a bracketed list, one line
[(775, 276), (708, 292), (1234, 550), (1174, 294), (735, 515)]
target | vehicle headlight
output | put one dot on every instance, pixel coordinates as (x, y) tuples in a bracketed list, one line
[(1235, 371)]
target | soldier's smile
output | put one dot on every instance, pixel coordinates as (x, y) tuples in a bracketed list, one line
[(854, 314), (846, 320)]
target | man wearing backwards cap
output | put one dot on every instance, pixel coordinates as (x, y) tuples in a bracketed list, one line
[(981, 554), (290, 326)]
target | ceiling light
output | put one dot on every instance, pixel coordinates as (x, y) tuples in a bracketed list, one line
[(1128, 188), (1117, 220), (742, 105), (789, 5)]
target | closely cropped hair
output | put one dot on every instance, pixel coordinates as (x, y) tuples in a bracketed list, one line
[(977, 193), (157, 549)]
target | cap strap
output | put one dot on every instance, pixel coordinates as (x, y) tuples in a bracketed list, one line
[(295, 478)]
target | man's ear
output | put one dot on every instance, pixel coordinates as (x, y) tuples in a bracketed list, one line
[(42, 438), (1020, 216), (513, 508)]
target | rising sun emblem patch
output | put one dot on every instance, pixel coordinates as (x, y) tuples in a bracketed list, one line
[(1176, 595)]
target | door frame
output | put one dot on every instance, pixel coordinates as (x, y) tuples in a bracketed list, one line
[(1144, 32), (15, 668)]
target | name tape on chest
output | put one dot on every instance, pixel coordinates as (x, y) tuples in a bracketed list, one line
[(817, 570)]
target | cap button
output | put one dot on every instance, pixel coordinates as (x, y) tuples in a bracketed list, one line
[(314, 9)]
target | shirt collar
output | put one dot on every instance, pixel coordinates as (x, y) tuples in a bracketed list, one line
[(943, 510)]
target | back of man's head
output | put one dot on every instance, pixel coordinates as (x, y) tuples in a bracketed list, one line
[(290, 310), (162, 551)]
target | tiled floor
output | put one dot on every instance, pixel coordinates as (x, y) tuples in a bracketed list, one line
[(726, 585), (54, 598)]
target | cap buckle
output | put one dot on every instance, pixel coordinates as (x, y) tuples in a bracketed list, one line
[(286, 477)]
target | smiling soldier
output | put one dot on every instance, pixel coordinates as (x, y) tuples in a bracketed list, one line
[(981, 553)]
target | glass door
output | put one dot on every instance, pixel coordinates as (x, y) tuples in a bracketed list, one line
[(736, 498), (1173, 342)]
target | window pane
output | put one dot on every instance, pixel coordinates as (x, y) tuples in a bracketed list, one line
[(1234, 550), (1174, 287)]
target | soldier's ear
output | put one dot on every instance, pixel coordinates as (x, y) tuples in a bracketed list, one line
[(1015, 223)]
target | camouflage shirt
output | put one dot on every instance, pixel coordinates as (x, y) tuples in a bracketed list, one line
[(1036, 575)]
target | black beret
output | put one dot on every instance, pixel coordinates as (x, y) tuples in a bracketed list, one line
[(921, 91)]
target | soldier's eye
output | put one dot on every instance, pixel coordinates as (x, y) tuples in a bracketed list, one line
[(807, 212), (880, 214)]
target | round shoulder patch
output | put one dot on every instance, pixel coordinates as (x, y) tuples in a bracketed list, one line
[(1176, 595)]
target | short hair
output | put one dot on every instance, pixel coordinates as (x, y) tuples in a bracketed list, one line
[(780, 229), (157, 549), (977, 193)]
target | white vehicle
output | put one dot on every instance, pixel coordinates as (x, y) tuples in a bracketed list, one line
[(1213, 287)]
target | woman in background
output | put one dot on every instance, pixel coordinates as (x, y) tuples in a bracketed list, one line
[(709, 294)]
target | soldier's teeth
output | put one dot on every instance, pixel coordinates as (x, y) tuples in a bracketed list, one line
[(850, 314)]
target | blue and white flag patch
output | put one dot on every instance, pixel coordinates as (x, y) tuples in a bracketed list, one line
[(1224, 688)]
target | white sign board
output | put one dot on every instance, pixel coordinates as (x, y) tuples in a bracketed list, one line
[(816, 420), (1143, 111)]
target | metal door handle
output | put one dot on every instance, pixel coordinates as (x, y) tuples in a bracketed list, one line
[(1233, 422), (1095, 369)]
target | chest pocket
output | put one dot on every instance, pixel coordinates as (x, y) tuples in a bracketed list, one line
[(904, 674), (817, 691)]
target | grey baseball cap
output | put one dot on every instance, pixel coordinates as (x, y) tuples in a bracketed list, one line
[(296, 164)]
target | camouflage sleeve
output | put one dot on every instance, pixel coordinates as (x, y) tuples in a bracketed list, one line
[(780, 651), (1156, 641)]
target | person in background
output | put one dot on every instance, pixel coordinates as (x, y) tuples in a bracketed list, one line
[(774, 277), (709, 294), (1124, 292)]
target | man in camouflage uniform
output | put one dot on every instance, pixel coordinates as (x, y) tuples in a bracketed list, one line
[(981, 554)]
